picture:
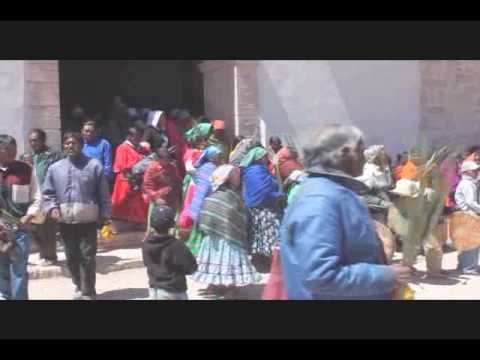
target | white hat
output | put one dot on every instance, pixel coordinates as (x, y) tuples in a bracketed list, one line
[(405, 187), (469, 166)]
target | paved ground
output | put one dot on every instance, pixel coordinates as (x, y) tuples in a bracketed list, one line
[(119, 285), (121, 276)]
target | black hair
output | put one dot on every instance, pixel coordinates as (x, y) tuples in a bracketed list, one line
[(275, 139), (75, 135), (162, 153), (133, 130), (6, 140), (89, 122), (237, 139), (473, 149), (41, 134)]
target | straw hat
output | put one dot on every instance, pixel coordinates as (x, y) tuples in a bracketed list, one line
[(405, 187)]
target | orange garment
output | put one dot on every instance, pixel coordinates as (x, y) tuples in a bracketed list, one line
[(397, 172), (409, 171)]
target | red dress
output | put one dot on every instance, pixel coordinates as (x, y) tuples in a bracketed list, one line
[(275, 288), (127, 204), (176, 138)]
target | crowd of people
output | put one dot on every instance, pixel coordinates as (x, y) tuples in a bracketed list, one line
[(221, 210)]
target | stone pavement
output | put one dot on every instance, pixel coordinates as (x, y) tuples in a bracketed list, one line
[(122, 253), (121, 276)]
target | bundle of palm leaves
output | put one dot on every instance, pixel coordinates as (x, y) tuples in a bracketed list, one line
[(425, 213)]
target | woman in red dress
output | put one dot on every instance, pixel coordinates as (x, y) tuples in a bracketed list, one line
[(128, 204)]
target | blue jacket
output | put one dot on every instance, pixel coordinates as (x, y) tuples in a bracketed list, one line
[(101, 150), (260, 188), (329, 248)]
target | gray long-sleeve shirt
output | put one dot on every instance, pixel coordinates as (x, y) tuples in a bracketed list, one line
[(79, 189), (466, 195)]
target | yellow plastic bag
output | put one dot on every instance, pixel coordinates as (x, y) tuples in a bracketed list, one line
[(404, 292), (107, 233)]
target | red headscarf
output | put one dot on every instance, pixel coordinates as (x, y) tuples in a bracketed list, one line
[(218, 124)]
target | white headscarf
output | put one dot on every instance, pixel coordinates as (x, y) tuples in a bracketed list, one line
[(221, 175), (154, 118)]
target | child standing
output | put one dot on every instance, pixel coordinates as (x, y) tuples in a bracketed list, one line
[(168, 260)]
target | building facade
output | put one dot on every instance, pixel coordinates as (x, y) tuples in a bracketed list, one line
[(395, 103)]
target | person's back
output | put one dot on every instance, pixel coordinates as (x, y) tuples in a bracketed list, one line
[(328, 246), (167, 259), (466, 195)]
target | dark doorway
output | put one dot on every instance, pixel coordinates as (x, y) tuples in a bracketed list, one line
[(155, 84)]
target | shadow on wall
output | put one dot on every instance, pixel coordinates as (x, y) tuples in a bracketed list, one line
[(382, 98), (273, 111)]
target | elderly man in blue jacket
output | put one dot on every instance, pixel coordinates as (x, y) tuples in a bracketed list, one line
[(329, 247)]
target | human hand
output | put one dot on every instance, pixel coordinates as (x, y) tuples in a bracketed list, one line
[(403, 274), (26, 220)]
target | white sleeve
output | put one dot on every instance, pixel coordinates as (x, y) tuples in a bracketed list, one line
[(35, 193)]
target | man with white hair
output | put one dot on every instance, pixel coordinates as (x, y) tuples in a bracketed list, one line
[(466, 198), (329, 247)]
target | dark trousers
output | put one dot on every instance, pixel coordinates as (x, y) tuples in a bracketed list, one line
[(80, 250), (45, 236)]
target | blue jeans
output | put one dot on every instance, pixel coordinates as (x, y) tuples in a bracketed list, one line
[(14, 274), (468, 260)]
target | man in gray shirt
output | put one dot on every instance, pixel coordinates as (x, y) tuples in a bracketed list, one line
[(467, 199), (76, 194)]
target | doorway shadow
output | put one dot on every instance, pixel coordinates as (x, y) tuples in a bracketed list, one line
[(124, 294), (451, 278)]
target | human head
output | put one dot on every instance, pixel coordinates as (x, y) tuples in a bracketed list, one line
[(198, 135), (8, 149), (182, 117), (416, 157), (162, 154), (275, 143), (134, 135), (256, 154), (474, 150), (37, 139), (237, 140), (89, 130), (225, 174), (374, 154), (72, 144), (203, 120), (218, 128), (210, 153), (162, 219), (337, 147)]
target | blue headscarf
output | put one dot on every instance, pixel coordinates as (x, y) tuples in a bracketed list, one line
[(207, 154)]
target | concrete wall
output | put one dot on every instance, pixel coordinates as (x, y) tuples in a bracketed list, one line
[(381, 97), (219, 91), (42, 99), (450, 101), (29, 98), (12, 100)]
